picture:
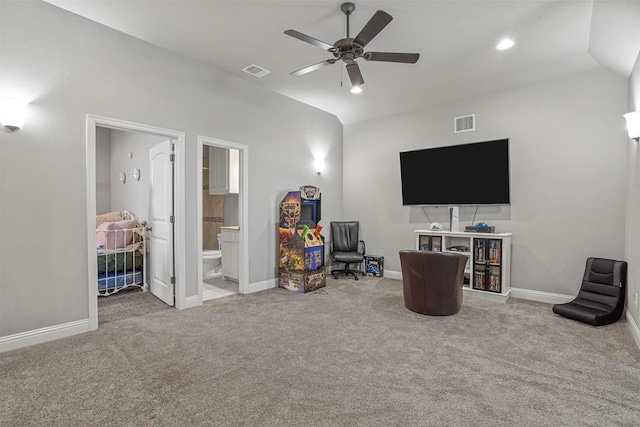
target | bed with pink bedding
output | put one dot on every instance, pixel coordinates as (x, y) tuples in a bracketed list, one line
[(120, 244)]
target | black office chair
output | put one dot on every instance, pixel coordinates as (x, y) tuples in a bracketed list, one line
[(345, 248), (600, 300)]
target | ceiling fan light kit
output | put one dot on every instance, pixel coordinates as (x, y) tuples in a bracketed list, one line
[(348, 49)]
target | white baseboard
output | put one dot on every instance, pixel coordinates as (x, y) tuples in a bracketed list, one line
[(527, 294), (192, 301), (263, 286), (390, 274), (633, 328), (548, 297), (38, 336), (491, 296)]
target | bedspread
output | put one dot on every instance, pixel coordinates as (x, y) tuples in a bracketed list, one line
[(119, 261)]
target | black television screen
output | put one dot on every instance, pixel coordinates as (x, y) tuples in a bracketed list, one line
[(467, 174), (310, 212)]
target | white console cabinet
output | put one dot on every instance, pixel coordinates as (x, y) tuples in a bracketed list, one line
[(230, 243), (488, 268)]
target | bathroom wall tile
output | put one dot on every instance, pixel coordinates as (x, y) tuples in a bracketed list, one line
[(209, 242)]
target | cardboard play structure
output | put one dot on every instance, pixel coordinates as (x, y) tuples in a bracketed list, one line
[(301, 256)]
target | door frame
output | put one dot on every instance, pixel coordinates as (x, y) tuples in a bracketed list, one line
[(93, 122), (243, 210)]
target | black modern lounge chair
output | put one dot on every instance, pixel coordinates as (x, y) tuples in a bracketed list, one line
[(600, 300)]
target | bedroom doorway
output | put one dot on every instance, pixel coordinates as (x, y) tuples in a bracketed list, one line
[(173, 201)]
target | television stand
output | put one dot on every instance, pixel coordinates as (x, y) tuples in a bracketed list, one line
[(488, 269)]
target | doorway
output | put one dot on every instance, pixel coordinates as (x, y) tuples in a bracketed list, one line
[(233, 275), (178, 141)]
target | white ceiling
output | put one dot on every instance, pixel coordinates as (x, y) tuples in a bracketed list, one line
[(455, 39)]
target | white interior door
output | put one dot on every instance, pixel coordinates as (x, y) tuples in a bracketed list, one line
[(161, 252)]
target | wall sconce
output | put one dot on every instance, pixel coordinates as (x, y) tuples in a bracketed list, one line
[(633, 125), (12, 112), (319, 165)]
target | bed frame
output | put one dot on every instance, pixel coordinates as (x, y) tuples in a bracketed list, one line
[(123, 268)]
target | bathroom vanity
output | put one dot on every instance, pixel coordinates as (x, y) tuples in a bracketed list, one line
[(230, 242)]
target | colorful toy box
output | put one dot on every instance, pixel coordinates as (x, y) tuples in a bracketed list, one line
[(374, 265)]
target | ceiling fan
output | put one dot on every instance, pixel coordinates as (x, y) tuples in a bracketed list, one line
[(349, 49)]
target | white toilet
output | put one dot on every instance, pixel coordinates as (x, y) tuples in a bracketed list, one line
[(212, 261)]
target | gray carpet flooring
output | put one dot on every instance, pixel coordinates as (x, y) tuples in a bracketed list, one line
[(349, 354), (126, 304)]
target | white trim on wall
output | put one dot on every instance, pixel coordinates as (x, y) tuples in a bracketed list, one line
[(548, 297), (633, 328), (192, 301), (93, 122), (38, 336), (263, 286), (392, 274)]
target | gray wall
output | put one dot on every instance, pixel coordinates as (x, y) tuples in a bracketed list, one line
[(568, 175), (67, 67), (133, 195), (632, 248)]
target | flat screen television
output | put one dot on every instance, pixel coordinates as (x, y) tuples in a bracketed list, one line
[(466, 174)]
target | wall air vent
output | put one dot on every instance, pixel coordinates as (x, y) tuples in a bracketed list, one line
[(255, 70), (464, 123)]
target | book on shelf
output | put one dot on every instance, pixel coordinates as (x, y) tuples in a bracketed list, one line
[(494, 251), (494, 282)]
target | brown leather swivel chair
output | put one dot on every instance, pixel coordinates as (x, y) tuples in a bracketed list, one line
[(432, 281)]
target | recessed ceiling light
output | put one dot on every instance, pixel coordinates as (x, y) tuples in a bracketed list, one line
[(356, 89), (505, 44)]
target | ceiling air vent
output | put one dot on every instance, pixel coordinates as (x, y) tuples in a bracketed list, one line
[(255, 70), (464, 123)]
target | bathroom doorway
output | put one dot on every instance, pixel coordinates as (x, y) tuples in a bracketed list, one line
[(222, 218)]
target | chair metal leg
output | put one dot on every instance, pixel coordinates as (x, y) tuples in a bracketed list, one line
[(346, 271)]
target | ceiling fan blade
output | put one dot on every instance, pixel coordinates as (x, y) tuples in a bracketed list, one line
[(354, 74), (409, 58), (379, 20), (313, 67), (305, 38)]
